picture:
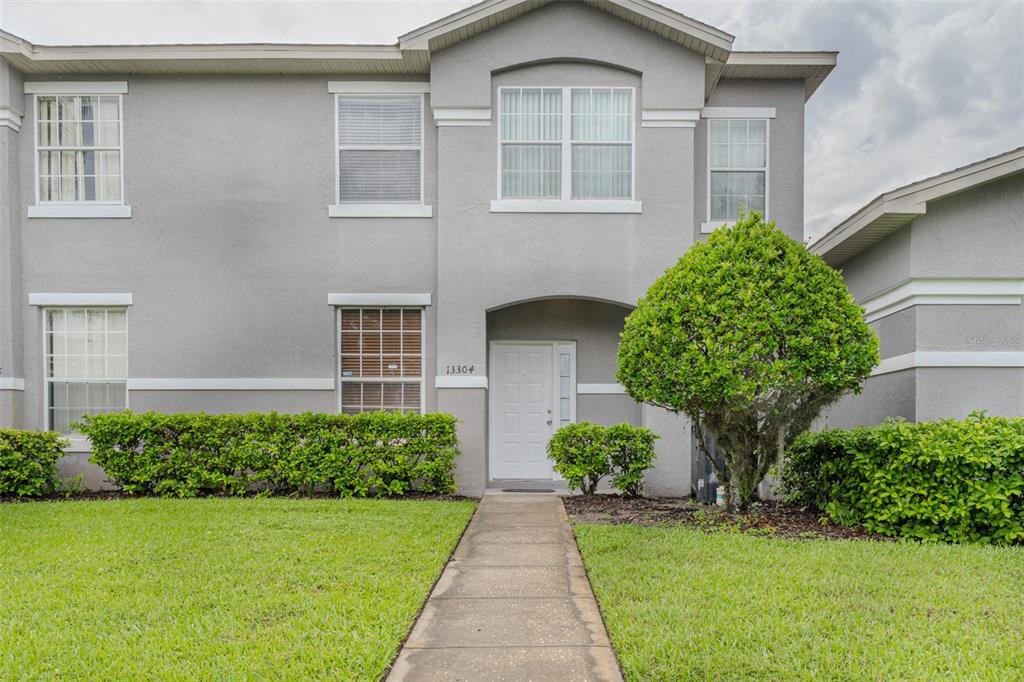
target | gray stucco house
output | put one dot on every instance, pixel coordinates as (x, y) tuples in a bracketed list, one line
[(938, 266), (458, 222)]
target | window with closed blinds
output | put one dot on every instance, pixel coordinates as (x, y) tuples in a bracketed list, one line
[(380, 148), (381, 357)]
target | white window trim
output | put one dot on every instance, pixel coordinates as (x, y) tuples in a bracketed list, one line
[(379, 300), (392, 210), (566, 203), (84, 300), (77, 209), (737, 112), (78, 442), (709, 225), (338, 308)]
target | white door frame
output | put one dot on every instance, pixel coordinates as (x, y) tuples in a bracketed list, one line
[(557, 348)]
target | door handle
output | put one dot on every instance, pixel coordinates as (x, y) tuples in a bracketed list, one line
[(549, 422)]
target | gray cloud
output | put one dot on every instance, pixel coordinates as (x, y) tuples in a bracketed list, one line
[(921, 87)]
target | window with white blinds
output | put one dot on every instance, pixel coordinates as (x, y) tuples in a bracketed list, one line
[(381, 359), (380, 148), (566, 143), (78, 149)]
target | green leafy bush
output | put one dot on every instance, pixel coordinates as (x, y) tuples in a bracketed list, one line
[(956, 481), (750, 335), (28, 462), (185, 455), (585, 453)]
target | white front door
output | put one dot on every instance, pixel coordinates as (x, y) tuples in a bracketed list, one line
[(522, 387)]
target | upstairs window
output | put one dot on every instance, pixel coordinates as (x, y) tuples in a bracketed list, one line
[(380, 148), (566, 143), (738, 167), (78, 149)]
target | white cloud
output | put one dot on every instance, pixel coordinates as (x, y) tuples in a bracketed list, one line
[(921, 87)]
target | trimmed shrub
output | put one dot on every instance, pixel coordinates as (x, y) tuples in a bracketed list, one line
[(954, 481), (28, 462), (585, 453), (186, 455)]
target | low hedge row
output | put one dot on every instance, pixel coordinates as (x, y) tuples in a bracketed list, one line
[(956, 481), (584, 453), (28, 462), (185, 455)]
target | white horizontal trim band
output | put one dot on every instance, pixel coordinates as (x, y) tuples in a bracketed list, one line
[(460, 382), (738, 112), (669, 118), (379, 299), (230, 384), (453, 116), (953, 359), (12, 384), (79, 299), (10, 118), (380, 211), (943, 292), (378, 87), (566, 206), (708, 228), (79, 211), (600, 389), (76, 87)]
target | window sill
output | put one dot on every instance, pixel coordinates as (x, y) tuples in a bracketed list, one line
[(566, 206), (380, 211), (708, 228), (77, 443), (79, 211)]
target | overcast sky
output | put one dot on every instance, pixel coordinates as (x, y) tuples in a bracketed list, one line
[(921, 87)]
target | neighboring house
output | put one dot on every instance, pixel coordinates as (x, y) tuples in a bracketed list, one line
[(939, 267), (459, 222)]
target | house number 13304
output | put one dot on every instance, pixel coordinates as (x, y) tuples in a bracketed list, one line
[(459, 369)]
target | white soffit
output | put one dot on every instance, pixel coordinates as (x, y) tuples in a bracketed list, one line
[(892, 210), (810, 67)]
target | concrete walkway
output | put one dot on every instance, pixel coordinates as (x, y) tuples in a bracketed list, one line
[(513, 603)]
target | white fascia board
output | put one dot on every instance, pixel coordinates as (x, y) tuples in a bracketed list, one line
[(950, 291), (378, 87), (231, 384), (47, 299), (76, 87), (79, 211), (12, 384), (413, 300), (462, 116), (669, 118), (566, 206), (380, 211), (949, 359), (600, 389), (460, 382), (738, 112)]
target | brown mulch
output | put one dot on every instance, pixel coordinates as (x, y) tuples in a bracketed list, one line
[(769, 519)]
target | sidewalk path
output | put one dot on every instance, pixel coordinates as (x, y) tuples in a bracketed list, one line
[(513, 603)]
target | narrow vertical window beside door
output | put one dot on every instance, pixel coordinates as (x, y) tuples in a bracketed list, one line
[(381, 352)]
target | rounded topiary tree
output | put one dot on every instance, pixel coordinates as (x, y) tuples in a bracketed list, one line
[(751, 336)]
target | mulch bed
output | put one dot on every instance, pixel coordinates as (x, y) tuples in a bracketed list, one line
[(764, 518)]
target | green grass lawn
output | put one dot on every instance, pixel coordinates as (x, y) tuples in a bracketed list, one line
[(221, 589), (685, 605)]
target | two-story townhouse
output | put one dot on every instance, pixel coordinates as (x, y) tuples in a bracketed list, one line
[(458, 222)]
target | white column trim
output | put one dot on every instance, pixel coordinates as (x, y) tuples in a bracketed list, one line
[(12, 384), (462, 116), (669, 118), (231, 384), (600, 389), (378, 87), (48, 299), (951, 359), (943, 291), (10, 118), (379, 299), (460, 382), (737, 112), (76, 87)]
